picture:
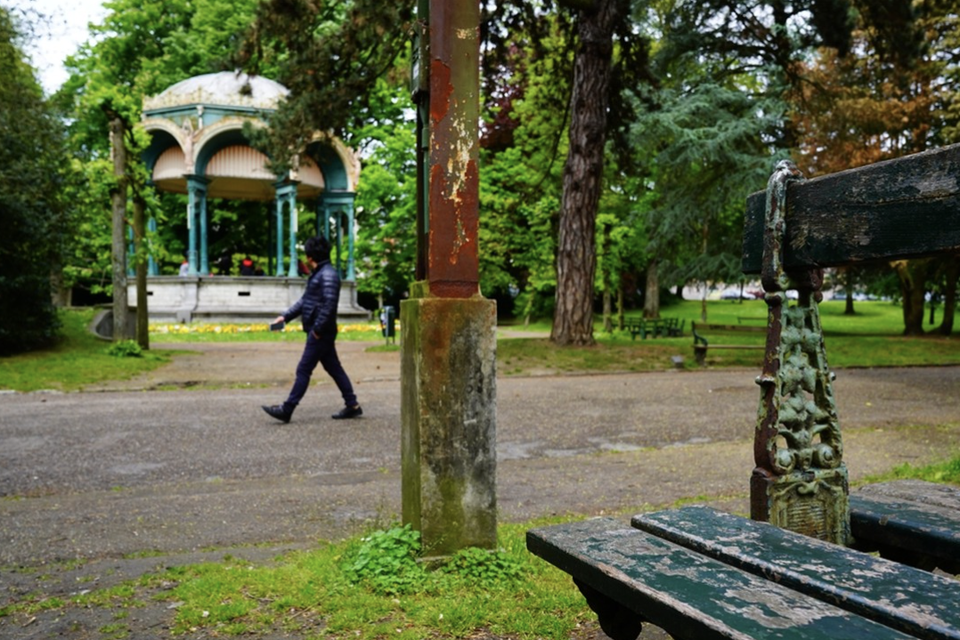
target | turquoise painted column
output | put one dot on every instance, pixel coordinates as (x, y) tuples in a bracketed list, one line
[(202, 214), (279, 205), (191, 226), (351, 271), (290, 195), (152, 268), (326, 217), (197, 224), (341, 203)]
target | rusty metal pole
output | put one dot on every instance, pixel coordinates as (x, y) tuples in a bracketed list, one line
[(448, 329), (452, 269)]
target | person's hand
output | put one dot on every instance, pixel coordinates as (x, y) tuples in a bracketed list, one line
[(315, 335), (279, 319)]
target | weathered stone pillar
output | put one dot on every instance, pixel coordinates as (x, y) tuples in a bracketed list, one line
[(449, 421), (448, 330)]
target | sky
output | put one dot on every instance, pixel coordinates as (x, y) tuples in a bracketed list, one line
[(58, 35)]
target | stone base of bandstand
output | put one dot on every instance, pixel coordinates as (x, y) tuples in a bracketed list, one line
[(448, 414), (232, 298)]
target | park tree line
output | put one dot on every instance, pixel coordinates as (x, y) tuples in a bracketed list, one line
[(620, 137)]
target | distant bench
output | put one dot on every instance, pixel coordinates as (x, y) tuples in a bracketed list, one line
[(799, 567), (654, 327), (703, 333)]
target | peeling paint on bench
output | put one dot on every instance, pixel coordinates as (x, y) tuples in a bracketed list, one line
[(914, 601), (690, 595)]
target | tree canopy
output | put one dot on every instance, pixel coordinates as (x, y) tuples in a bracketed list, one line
[(34, 228), (700, 100)]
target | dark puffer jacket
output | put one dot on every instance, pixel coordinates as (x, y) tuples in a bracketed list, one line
[(317, 307)]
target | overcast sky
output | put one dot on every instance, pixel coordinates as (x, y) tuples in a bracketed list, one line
[(58, 35)]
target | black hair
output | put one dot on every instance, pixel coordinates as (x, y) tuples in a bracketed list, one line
[(317, 248)]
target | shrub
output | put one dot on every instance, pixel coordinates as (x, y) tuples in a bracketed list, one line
[(125, 349), (386, 561)]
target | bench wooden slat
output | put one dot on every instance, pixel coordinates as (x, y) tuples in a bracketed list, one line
[(902, 208), (691, 596), (910, 521), (919, 603)]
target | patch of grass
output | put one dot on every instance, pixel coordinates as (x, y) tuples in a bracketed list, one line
[(79, 359), (871, 338), (505, 592), (946, 472), (350, 590)]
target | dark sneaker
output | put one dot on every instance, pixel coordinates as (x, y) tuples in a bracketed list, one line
[(276, 411), (348, 412)]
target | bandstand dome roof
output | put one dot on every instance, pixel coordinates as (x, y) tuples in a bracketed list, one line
[(226, 88)]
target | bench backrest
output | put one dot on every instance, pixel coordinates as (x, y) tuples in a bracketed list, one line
[(909, 207)]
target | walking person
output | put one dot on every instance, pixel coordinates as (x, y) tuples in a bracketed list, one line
[(317, 308)]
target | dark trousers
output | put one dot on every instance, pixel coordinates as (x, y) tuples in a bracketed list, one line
[(324, 351)]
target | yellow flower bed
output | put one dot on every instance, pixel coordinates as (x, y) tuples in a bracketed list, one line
[(295, 327)]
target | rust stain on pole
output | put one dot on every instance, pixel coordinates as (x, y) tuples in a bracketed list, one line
[(453, 262)]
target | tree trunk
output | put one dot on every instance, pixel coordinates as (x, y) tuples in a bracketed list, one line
[(621, 319), (848, 309), (118, 198), (913, 278), (952, 274), (583, 175), (703, 303), (140, 255), (651, 298), (607, 311)]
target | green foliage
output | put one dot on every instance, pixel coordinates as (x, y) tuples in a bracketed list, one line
[(330, 55), (484, 567), (75, 361), (386, 196), (386, 561), (33, 221), (125, 349)]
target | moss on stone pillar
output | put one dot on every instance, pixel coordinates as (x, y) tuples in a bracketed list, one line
[(448, 383)]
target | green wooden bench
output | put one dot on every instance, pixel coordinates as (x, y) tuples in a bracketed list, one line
[(654, 327), (629, 576), (910, 521), (703, 334), (799, 567)]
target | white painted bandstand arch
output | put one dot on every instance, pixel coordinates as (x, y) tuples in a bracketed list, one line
[(198, 149)]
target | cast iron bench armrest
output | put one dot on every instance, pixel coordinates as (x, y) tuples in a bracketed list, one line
[(910, 521), (922, 604), (629, 576)]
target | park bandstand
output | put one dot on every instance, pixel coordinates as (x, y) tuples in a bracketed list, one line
[(199, 149)]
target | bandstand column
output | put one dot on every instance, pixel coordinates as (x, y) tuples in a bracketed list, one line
[(152, 268), (288, 194), (342, 204), (197, 220), (279, 213)]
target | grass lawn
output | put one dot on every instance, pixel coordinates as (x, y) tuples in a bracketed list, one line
[(871, 338), (78, 359)]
